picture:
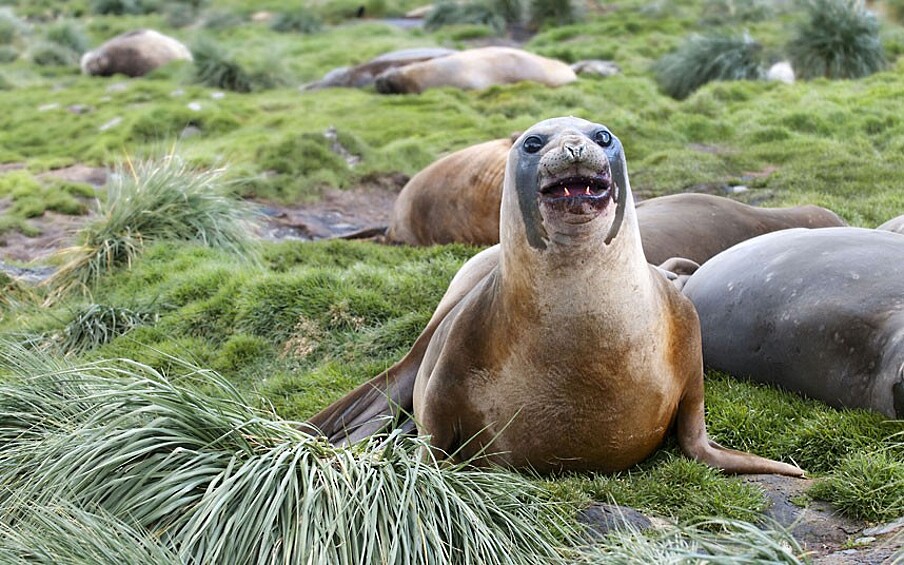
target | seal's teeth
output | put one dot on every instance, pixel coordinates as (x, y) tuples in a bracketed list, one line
[(566, 191), (587, 192)]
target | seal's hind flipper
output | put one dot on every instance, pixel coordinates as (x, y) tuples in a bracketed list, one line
[(381, 404)]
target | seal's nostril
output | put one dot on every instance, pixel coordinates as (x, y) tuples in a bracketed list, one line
[(575, 151)]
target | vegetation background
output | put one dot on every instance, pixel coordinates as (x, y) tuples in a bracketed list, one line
[(148, 295)]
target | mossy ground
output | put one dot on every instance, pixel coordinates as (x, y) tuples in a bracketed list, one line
[(313, 320)]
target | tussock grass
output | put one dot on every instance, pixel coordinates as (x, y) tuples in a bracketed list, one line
[(68, 34), (60, 532), (221, 481), (149, 200), (12, 28), (866, 485), (838, 40), (215, 66), (702, 59), (97, 324), (297, 21), (717, 542), (446, 13), (550, 13)]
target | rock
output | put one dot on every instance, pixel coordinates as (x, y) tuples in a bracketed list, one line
[(601, 519), (781, 72)]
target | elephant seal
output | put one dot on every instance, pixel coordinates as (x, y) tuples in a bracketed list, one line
[(475, 69), (698, 226), (818, 312), (364, 74), (895, 225), (560, 348), (134, 54), (455, 199)]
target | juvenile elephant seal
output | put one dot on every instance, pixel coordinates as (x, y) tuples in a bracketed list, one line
[(134, 54), (560, 348), (475, 69), (454, 199), (698, 226), (818, 312), (895, 225), (364, 74)]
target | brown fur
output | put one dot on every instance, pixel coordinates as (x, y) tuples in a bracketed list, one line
[(364, 74), (133, 54), (475, 69), (445, 202), (564, 353)]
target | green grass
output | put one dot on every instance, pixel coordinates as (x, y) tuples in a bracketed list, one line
[(148, 200), (227, 483), (310, 321), (838, 40)]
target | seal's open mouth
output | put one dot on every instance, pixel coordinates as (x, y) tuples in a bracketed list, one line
[(595, 191)]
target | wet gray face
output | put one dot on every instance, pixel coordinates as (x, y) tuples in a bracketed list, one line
[(566, 170)]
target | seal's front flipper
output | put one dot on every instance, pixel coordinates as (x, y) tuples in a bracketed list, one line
[(695, 442)]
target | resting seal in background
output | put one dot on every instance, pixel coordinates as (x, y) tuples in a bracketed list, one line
[(475, 69), (818, 312), (364, 74), (448, 201), (895, 225), (456, 199), (560, 348), (699, 226), (134, 54)]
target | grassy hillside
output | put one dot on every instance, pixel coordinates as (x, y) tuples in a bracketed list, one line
[(292, 326)]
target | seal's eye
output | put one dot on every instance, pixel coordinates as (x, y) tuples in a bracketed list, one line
[(533, 144), (603, 138)]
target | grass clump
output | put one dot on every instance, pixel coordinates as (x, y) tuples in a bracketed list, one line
[(838, 40), (12, 28), (297, 21), (220, 481), (68, 34), (702, 59), (866, 485), (448, 13), (50, 54), (149, 200), (716, 542), (552, 13), (97, 324), (728, 11), (215, 67), (60, 532)]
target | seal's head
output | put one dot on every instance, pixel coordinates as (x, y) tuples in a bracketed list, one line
[(569, 179)]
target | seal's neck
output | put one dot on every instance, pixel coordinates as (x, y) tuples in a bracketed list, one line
[(576, 265)]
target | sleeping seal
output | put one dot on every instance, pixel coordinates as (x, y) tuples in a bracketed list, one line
[(560, 348), (818, 312), (134, 54), (475, 69), (895, 225)]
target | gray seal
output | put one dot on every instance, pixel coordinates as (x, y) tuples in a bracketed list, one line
[(561, 348), (818, 312)]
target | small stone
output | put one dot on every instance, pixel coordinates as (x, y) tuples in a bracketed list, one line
[(118, 87), (218, 95), (189, 131), (864, 540), (738, 189), (48, 107), (80, 109), (194, 106), (177, 92)]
